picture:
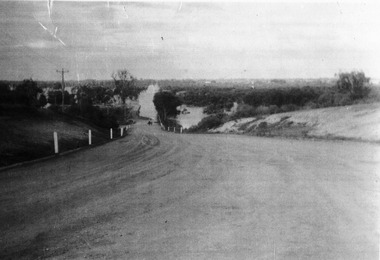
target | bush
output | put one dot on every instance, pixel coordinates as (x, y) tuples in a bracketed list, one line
[(93, 114), (262, 110), (244, 110), (288, 108), (342, 99), (273, 109), (310, 105), (326, 99), (209, 122), (373, 95)]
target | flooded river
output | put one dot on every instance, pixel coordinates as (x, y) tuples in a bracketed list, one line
[(146, 101), (147, 109), (192, 118)]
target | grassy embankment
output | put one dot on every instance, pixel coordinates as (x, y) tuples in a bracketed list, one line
[(27, 134)]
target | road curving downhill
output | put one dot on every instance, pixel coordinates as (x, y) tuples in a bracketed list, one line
[(159, 195)]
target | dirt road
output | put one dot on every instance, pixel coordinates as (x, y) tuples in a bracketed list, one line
[(157, 195)]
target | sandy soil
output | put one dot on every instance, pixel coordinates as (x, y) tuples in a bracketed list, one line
[(159, 195), (357, 122)]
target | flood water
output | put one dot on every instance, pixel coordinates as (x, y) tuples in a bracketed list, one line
[(146, 101), (191, 119), (147, 108)]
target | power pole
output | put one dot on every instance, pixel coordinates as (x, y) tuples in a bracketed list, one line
[(63, 85)]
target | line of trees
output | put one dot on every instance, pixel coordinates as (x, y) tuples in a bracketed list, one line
[(26, 93), (87, 100)]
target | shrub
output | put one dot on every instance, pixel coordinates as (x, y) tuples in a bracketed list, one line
[(209, 122), (326, 99), (93, 114), (273, 109), (310, 105), (244, 110), (262, 110), (288, 108), (342, 99)]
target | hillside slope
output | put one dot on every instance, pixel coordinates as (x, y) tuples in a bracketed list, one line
[(28, 135), (356, 122)]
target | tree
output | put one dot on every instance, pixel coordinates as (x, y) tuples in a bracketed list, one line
[(125, 85), (166, 104), (27, 92), (102, 95), (354, 83)]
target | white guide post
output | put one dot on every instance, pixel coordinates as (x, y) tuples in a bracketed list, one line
[(181, 130), (121, 131), (111, 133), (89, 137), (174, 129), (55, 142)]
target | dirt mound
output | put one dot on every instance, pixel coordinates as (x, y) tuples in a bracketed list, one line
[(357, 122)]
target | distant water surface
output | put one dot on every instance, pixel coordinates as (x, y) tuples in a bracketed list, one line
[(146, 101), (191, 119)]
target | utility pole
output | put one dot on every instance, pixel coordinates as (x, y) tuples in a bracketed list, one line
[(63, 85)]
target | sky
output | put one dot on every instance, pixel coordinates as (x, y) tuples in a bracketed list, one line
[(199, 40)]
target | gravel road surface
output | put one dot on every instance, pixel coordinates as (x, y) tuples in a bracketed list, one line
[(159, 195)]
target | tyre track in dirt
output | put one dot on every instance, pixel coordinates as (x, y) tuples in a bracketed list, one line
[(159, 195)]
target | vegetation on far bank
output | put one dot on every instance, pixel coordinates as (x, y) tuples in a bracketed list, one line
[(349, 88)]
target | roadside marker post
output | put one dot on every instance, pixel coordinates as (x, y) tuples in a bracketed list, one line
[(174, 129), (111, 133), (55, 142), (121, 131), (89, 137), (181, 130)]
